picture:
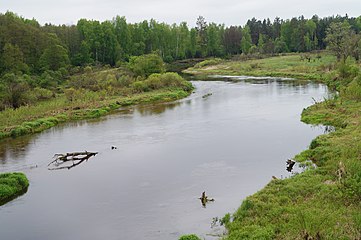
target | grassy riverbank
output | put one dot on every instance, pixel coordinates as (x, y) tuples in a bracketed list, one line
[(36, 118), (324, 201), (321, 203), (11, 186), (91, 95), (314, 66)]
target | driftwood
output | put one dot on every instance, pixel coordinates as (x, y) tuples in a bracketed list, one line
[(75, 158), (204, 199), (290, 164), (207, 95)]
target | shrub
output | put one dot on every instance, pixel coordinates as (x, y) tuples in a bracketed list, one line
[(125, 81), (70, 94), (189, 237), (140, 86), (12, 185), (158, 81), (208, 62), (347, 71), (41, 94), (352, 91), (146, 65)]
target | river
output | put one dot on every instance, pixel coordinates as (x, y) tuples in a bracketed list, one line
[(229, 143)]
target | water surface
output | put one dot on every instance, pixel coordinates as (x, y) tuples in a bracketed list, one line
[(228, 144)]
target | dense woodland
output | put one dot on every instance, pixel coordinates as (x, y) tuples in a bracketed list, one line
[(42, 57)]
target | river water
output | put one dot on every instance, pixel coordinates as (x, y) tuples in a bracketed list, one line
[(229, 144)]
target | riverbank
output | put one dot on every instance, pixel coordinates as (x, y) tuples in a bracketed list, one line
[(324, 201), (315, 66), (12, 185), (36, 118), (320, 203)]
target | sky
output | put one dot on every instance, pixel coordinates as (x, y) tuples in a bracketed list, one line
[(229, 12)]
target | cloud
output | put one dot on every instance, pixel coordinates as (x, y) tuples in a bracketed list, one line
[(230, 12)]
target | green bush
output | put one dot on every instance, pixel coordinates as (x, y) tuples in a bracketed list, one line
[(347, 70), (12, 185), (125, 81), (164, 80), (41, 94), (253, 232), (140, 86), (189, 237), (208, 62), (146, 65), (352, 91)]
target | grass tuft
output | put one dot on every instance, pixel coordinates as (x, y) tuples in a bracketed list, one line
[(11, 186)]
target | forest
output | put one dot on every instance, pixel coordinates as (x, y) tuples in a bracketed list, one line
[(42, 58)]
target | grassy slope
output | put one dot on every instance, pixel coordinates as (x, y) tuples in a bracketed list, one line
[(319, 203), (30, 119), (11, 186), (281, 66)]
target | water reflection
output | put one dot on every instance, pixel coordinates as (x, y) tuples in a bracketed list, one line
[(15, 148), (147, 110)]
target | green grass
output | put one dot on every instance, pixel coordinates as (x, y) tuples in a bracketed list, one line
[(11, 186), (33, 119), (189, 237), (289, 65), (320, 203)]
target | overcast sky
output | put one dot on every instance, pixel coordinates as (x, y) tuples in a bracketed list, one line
[(230, 12)]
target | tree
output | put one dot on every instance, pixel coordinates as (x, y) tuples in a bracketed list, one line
[(261, 43), (280, 46), (123, 35), (54, 57), (192, 48), (246, 42), (354, 45), (339, 37), (201, 27), (214, 47), (83, 57), (232, 40), (14, 89), (12, 60)]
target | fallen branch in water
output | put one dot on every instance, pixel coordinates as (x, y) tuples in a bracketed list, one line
[(290, 164), (204, 199), (76, 158)]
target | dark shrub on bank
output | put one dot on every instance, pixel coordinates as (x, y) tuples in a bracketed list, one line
[(165, 80)]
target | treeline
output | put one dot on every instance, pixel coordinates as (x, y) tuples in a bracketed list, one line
[(37, 62), (28, 47)]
